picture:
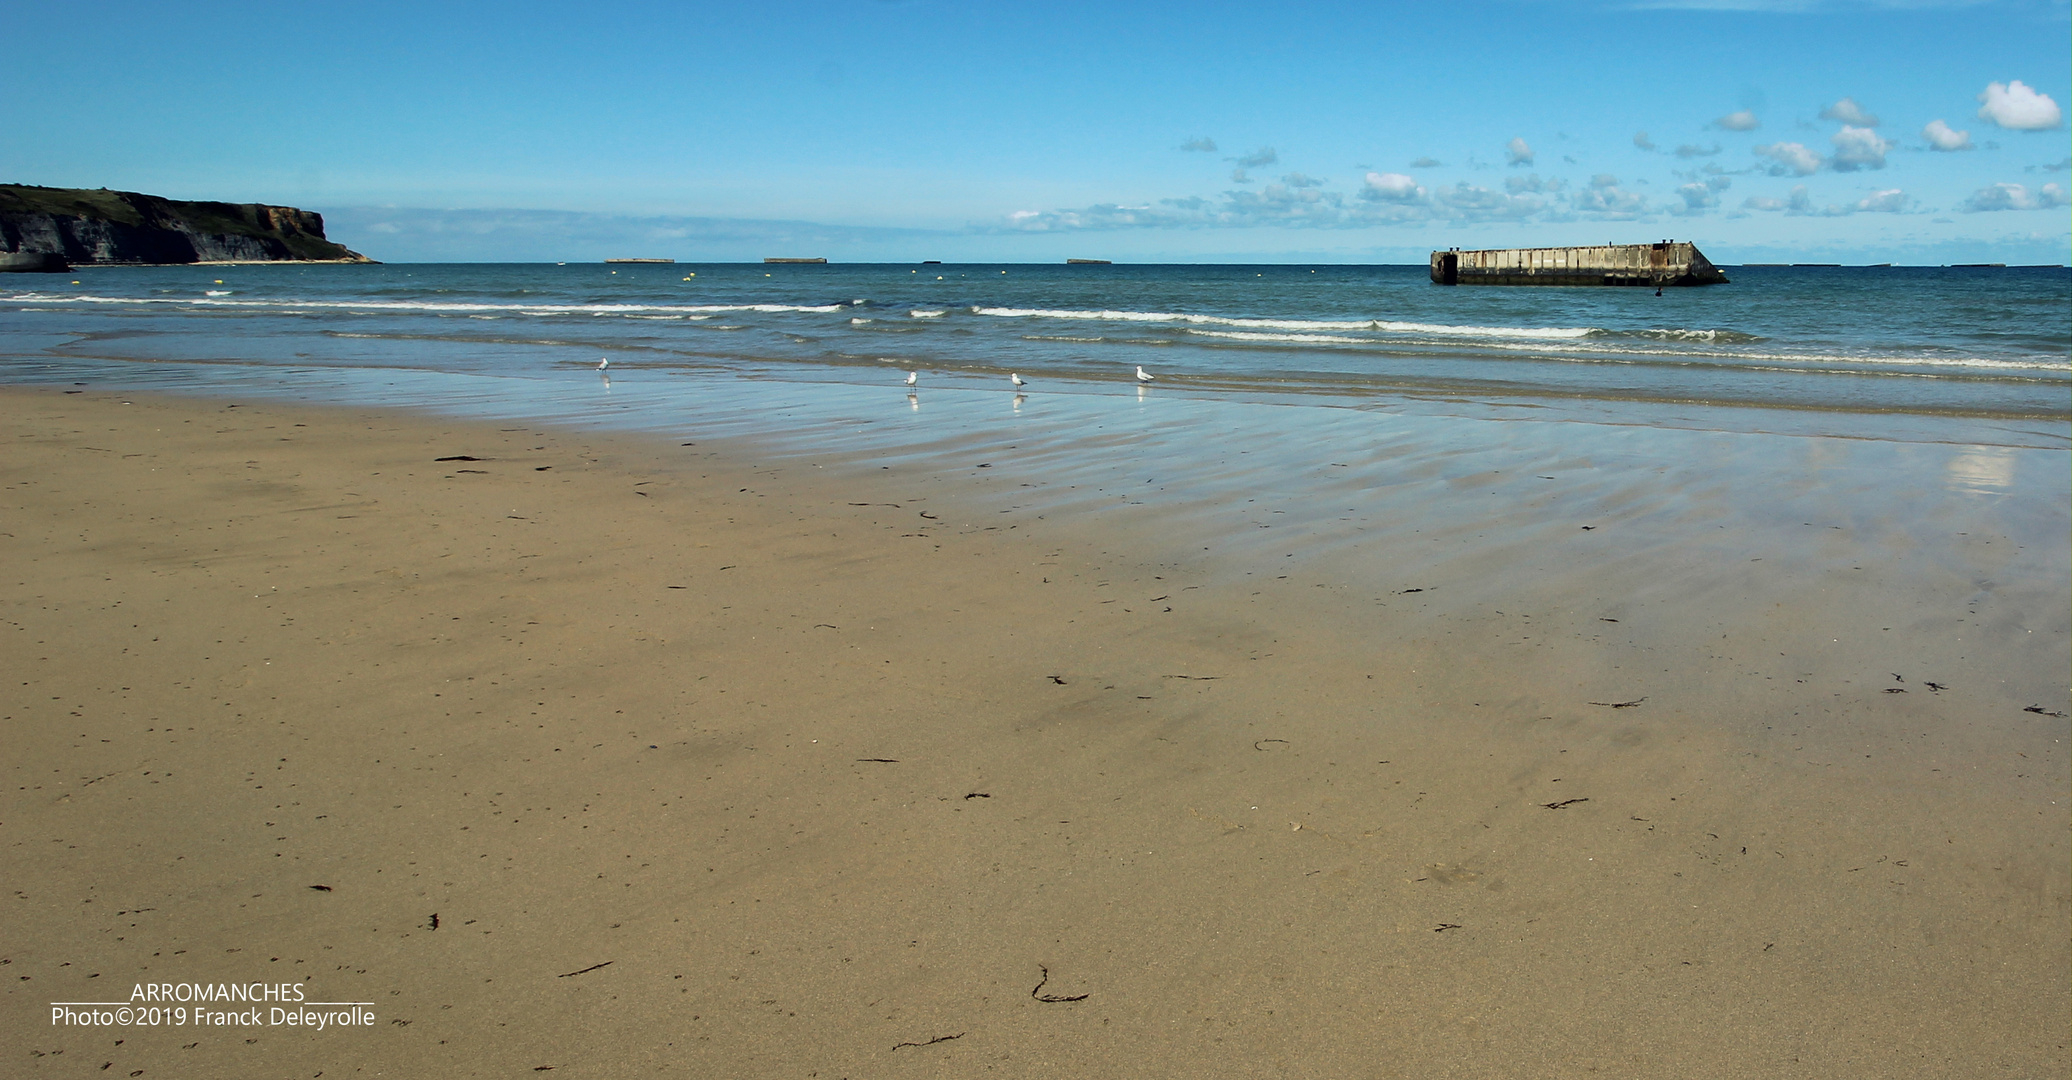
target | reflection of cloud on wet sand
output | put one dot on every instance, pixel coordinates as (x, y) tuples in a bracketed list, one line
[(1987, 470)]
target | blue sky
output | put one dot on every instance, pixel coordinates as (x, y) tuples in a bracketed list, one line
[(1767, 130)]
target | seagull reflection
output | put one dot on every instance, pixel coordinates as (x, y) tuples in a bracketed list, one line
[(1018, 399), (913, 401)]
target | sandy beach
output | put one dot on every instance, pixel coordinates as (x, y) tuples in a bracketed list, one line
[(614, 755)]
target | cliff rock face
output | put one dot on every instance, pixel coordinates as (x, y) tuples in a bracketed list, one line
[(102, 227)]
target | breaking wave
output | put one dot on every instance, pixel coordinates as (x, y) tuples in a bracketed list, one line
[(1383, 325), (429, 306)]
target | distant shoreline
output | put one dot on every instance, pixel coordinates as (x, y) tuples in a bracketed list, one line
[(233, 262), (902, 262)]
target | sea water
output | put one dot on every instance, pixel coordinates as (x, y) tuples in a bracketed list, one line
[(1310, 361), (1793, 433), (1988, 343)]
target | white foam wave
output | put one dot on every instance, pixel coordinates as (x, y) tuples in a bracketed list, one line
[(1725, 337), (859, 321), (216, 292), (431, 307), (1307, 339), (923, 313), (1802, 361), (1383, 325)]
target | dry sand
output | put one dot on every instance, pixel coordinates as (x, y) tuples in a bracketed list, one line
[(616, 757)]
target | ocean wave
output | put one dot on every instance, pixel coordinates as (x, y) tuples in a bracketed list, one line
[(1719, 337), (922, 313), (860, 320), (431, 307), (1307, 339), (1384, 325), (1798, 360)]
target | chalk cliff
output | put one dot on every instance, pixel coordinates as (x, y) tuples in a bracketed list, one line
[(101, 227)]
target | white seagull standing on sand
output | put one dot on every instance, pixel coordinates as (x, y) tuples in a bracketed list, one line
[(1017, 380), (1144, 376), (913, 377), (604, 362)]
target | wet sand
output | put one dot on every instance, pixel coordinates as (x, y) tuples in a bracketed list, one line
[(619, 756)]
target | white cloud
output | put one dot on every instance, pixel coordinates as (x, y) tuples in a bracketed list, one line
[(1789, 159), (1799, 203), (1697, 197), (1394, 187), (1531, 182), (1383, 199), (1610, 202), (1689, 150), (1203, 145), (1426, 163), (1940, 137), (1098, 216), (1738, 121), (1239, 176), (1466, 202), (423, 235), (1700, 196), (1518, 152), (1849, 112), (1299, 180), (1890, 201), (1262, 156), (1604, 180), (2014, 197), (1277, 204), (1858, 148), (2016, 106), (1640, 139)]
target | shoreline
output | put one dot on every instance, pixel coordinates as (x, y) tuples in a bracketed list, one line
[(1380, 794)]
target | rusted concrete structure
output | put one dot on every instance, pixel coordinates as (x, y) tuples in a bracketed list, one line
[(32, 262), (1647, 265)]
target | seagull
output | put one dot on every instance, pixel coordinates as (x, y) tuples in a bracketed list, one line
[(603, 363), (1017, 380), (913, 377), (1144, 376)]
